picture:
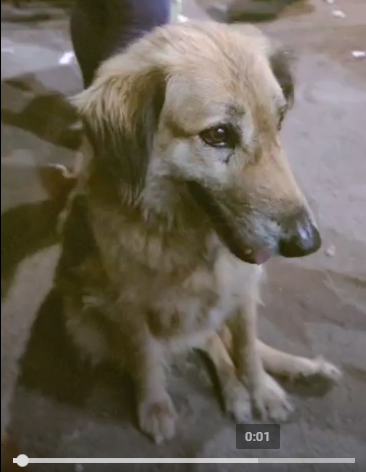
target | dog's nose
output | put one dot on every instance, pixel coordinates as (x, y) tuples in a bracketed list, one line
[(300, 236)]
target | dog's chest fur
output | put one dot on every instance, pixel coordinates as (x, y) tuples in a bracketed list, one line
[(182, 284)]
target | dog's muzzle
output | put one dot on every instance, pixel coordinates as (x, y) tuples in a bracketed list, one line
[(298, 237), (225, 229)]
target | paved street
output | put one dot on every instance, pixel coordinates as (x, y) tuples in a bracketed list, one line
[(55, 405)]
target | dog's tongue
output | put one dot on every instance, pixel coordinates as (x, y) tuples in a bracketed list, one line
[(261, 256)]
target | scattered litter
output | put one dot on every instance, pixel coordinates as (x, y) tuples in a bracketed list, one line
[(330, 252), (329, 1), (338, 14), (66, 58), (359, 54), (182, 19)]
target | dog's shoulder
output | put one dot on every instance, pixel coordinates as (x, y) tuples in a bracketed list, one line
[(79, 249), (77, 238)]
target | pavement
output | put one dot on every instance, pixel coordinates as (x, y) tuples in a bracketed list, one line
[(58, 406)]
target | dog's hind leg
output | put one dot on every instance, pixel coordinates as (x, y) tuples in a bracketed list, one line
[(131, 347), (236, 396), (281, 364)]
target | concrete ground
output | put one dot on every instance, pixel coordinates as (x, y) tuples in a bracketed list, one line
[(55, 405)]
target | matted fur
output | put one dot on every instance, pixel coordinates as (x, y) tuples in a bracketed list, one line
[(144, 271)]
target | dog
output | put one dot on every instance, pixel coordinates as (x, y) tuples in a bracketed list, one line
[(185, 194)]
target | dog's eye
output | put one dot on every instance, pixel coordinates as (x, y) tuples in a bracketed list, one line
[(221, 136)]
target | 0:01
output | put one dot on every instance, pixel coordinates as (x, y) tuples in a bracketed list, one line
[(249, 437)]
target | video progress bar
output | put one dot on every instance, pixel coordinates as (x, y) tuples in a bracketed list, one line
[(22, 460)]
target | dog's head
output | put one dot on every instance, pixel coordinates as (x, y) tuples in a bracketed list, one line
[(200, 106)]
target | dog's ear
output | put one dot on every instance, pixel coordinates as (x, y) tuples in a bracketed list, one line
[(120, 112), (281, 61)]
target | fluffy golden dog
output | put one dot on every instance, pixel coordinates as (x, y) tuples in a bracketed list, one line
[(187, 191)]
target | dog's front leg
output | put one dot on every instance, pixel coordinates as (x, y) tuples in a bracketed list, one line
[(268, 398), (155, 408), (235, 394)]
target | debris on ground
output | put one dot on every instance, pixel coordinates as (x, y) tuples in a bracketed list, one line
[(339, 13), (359, 54), (330, 252)]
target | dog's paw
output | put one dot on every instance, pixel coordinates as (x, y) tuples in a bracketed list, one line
[(325, 370), (157, 419), (270, 401), (237, 402), (317, 371)]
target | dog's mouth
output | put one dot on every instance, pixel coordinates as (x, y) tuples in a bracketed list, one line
[(229, 234)]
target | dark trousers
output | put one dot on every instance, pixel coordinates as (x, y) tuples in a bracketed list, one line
[(99, 28)]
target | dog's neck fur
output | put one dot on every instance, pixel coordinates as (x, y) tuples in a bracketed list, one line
[(170, 219), (168, 204)]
